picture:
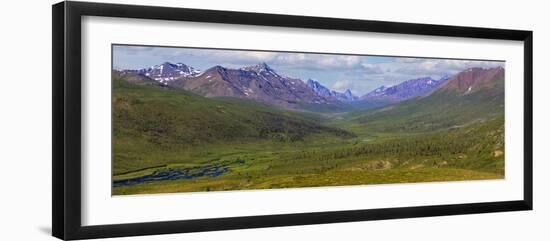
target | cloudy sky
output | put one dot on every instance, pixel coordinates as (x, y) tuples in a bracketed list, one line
[(360, 74)]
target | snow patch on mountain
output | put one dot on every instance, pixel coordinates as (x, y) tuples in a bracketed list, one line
[(168, 72)]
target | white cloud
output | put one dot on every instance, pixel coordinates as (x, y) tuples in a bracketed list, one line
[(439, 67), (408, 60), (317, 61), (238, 56), (372, 69), (342, 85), (291, 60), (132, 50)]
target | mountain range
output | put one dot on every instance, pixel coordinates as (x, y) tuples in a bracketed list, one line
[(256, 82), (471, 96), (261, 83), (405, 90), (326, 92)]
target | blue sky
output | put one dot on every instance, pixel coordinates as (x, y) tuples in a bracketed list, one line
[(360, 74)]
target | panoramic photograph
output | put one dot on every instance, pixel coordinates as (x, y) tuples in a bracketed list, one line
[(201, 119)]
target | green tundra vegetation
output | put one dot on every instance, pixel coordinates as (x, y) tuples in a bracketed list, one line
[(213, 144)]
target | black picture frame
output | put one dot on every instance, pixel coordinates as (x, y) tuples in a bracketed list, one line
[(67, 53)]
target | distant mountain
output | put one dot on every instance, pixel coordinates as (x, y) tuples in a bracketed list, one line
[(405, 90), (134, 78), (326, 92), (261, 83), (261, 68), (319, 88), (257, 82), (475, 79), (471, 96), (167, 72), (346, 96)]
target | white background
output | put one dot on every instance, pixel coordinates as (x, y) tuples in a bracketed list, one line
[(25, 126), (101, 208)]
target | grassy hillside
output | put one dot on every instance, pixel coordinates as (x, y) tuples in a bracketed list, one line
[(442, 109), (340, 107), (153, 125), (472, 153)]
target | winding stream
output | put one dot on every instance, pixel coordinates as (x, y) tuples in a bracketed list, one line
[(210, 170)]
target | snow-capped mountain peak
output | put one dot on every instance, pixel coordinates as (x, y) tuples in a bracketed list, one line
[(259, 68), (167, 72), (348, 92), (326, 92), (318, 88)]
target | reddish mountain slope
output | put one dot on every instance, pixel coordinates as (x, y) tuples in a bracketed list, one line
[(474, 79)]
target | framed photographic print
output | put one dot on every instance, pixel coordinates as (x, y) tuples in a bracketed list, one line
[(170, 120)]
